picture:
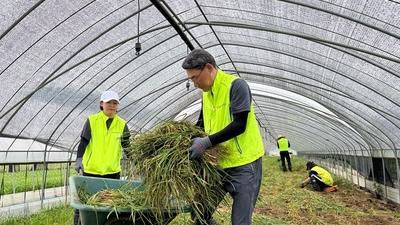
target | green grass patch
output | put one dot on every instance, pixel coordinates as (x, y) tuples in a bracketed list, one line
[(31, 180), (53, 216), (281, 202)]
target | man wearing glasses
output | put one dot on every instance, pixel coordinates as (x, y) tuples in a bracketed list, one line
[(228, 117)]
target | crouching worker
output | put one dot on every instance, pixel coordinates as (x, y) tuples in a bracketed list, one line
[(320, 179)]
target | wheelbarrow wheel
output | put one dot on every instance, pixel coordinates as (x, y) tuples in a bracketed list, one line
[(144, 219), (121, 220)]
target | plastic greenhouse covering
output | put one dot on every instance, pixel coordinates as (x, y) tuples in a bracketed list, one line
[(326, 73)]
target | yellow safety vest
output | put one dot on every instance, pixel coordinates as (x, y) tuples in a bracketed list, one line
[(283, 144), (103, 153), (324, 175), (244, 148)]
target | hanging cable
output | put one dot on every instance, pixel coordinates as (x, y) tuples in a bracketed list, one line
[(138, 45), (187, 81)]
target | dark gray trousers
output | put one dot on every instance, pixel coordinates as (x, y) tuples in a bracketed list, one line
[(243, 184), (285, 155), (316, 183)]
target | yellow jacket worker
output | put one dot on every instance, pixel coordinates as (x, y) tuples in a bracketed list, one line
[(283, 145), (102, 138), (227, 116), (320, 179)]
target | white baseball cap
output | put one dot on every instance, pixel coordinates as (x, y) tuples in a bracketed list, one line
[(108, 96)]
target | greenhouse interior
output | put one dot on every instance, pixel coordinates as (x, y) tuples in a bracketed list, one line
[(324, 74)]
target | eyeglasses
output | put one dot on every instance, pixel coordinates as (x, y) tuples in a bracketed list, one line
[(195, 77)]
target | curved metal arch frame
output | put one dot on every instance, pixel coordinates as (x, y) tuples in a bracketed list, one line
[(288, 130), (360, 57), (302, 36), (287, 19), (21, 18), (315, 133), (354, 150), (63, 104), (159, 111), (350, 144), (350, 122), (174, 83), (66, 115), (303, 124), (151, 117), (328, 119), (342, 16), (92, 102), (302, 75), (366, 87), (347, 145), (315, 80), (332, 59), (52, 56), (122, 43), (330, 122), (223, 45), (339, 91), (215, 34), (22, 101), (50, 78), (335, 121), (296, 83), (49, 31)]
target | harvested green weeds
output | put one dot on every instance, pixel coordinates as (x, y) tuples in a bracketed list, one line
[(161, 155), (171, 180)]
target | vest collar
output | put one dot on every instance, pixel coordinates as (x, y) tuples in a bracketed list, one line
[(104, 117), (216, 83)]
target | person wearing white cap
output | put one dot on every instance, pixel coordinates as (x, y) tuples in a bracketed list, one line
[(103, 137)]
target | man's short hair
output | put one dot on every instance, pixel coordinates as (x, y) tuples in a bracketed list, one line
[(197, 59)]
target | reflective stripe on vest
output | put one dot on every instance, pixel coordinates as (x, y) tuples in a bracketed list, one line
[(283, 144), (325, 175), (244, 148), (103, 153)]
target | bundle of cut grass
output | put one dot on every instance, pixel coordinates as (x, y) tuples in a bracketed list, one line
[(119, 198), (171, 180)]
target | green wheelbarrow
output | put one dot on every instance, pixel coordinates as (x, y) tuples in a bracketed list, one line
[(95, 215)]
